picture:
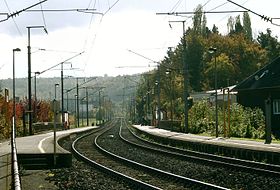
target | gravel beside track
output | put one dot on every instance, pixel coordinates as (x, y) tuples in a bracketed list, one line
[(83, 177), (221, 176), (85, 147)]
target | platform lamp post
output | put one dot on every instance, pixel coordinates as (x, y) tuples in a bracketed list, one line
[(29, 75), (54, 124), (67, 100), (77, 102), (213, 50), (13, 126), (14, 88), (157, 83), (99, 107), (87, 105), (35, 94), (168, 73), (76, 99)]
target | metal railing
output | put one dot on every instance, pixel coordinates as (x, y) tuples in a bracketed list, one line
[(16, 185)]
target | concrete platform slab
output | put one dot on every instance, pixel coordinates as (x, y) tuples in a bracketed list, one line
[(244, 149), (37, 149)]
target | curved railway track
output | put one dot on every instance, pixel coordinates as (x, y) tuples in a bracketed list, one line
[(249, 166), (137, 174), (213, 172)]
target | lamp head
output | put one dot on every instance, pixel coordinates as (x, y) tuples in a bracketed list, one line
[(17, 49), (212, 50)]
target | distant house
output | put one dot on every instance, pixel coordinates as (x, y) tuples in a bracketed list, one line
[(262, 89), (223, 95)]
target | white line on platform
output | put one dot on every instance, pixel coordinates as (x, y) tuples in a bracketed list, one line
[(41, 143)]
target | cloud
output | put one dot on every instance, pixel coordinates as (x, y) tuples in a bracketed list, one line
[(53, 20)]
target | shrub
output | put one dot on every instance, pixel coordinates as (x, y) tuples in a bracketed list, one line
[(244, 122)]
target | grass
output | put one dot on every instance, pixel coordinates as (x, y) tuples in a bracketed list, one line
[(276, 141)]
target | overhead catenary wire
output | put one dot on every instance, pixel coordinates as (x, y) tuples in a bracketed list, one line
[(94, 36), (226, 16), (90, 4), (43, 15), (9, 15), (61, 62), (110, 7), (218, 6), (90, 11), (264, 17), (13, 18)]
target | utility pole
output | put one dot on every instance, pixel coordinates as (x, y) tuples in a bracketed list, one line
[(158, 97), (99, 107), (185, 75), (213, 50), (29, 75), (87, 106), (62, 95), (77, 114)]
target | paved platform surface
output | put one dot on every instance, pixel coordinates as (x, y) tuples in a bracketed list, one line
[(42, 143), (245, 144), (34, 144)]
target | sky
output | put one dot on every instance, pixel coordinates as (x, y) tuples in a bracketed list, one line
[(110, 41)]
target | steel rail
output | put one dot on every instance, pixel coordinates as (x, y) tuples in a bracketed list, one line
[(178, 178), (246, 165), (185, 180), (107, 170)]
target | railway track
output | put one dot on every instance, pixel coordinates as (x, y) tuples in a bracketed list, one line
[(137, 174), (237, 164), (212, 172)]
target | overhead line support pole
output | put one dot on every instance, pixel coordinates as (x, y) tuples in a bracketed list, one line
[(62, 96), (29, 81), (186, 94), (29, 75)]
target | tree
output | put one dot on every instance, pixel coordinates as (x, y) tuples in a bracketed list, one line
[(230, 25), (198, 20), (238, 28), (270, 44), (195, 51), (225, 69), (215, 29), (43, 111), (204, 29), (247, 26)]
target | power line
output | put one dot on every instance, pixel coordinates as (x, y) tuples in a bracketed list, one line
[(204, 12), (13, 18), (90, 3), (61, 62), (18, 12), (228, 14), (176, 5), (43, 16), (265, 18), (218, 6), (111, 7), (91, 11), (206, 3)]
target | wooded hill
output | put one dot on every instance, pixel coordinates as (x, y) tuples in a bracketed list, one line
[(116, 88)]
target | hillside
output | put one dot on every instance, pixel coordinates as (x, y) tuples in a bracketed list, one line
[(46, 86)]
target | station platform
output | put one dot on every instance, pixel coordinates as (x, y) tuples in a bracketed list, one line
[(36, 152), (243, 149)]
